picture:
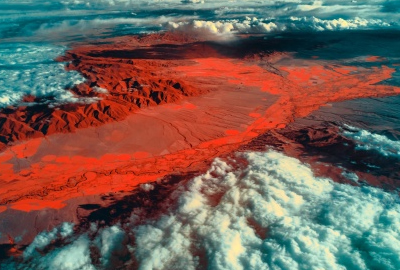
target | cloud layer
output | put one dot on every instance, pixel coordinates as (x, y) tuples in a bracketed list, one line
[(373, 142), (29, 69), (262, 26), (113, 16), (271, 214)]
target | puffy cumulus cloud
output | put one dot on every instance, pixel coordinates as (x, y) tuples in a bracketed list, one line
[(76, 252), (29, 69), (336, 24), (73, 256), (147, 187), (369, 141), (43, 239), (110, 243), (272, 213), (228, 27), (259, 26)]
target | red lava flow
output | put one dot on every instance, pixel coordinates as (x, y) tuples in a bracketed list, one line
[(234, 101)]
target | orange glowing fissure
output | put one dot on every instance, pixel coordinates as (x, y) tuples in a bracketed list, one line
[(50, 181)]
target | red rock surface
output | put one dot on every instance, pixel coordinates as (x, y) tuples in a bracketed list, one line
[(131, 85), (242, 96)]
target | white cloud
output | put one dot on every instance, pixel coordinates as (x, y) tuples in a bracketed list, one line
[(366, 140), (261, 26), (43, 239), (147, 187), (270, 214), (336, 24), (100, 90), (30, 70), (75, 256), (228, 27), (97, 26), (309, 222), (110, 243), (308, 7)]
